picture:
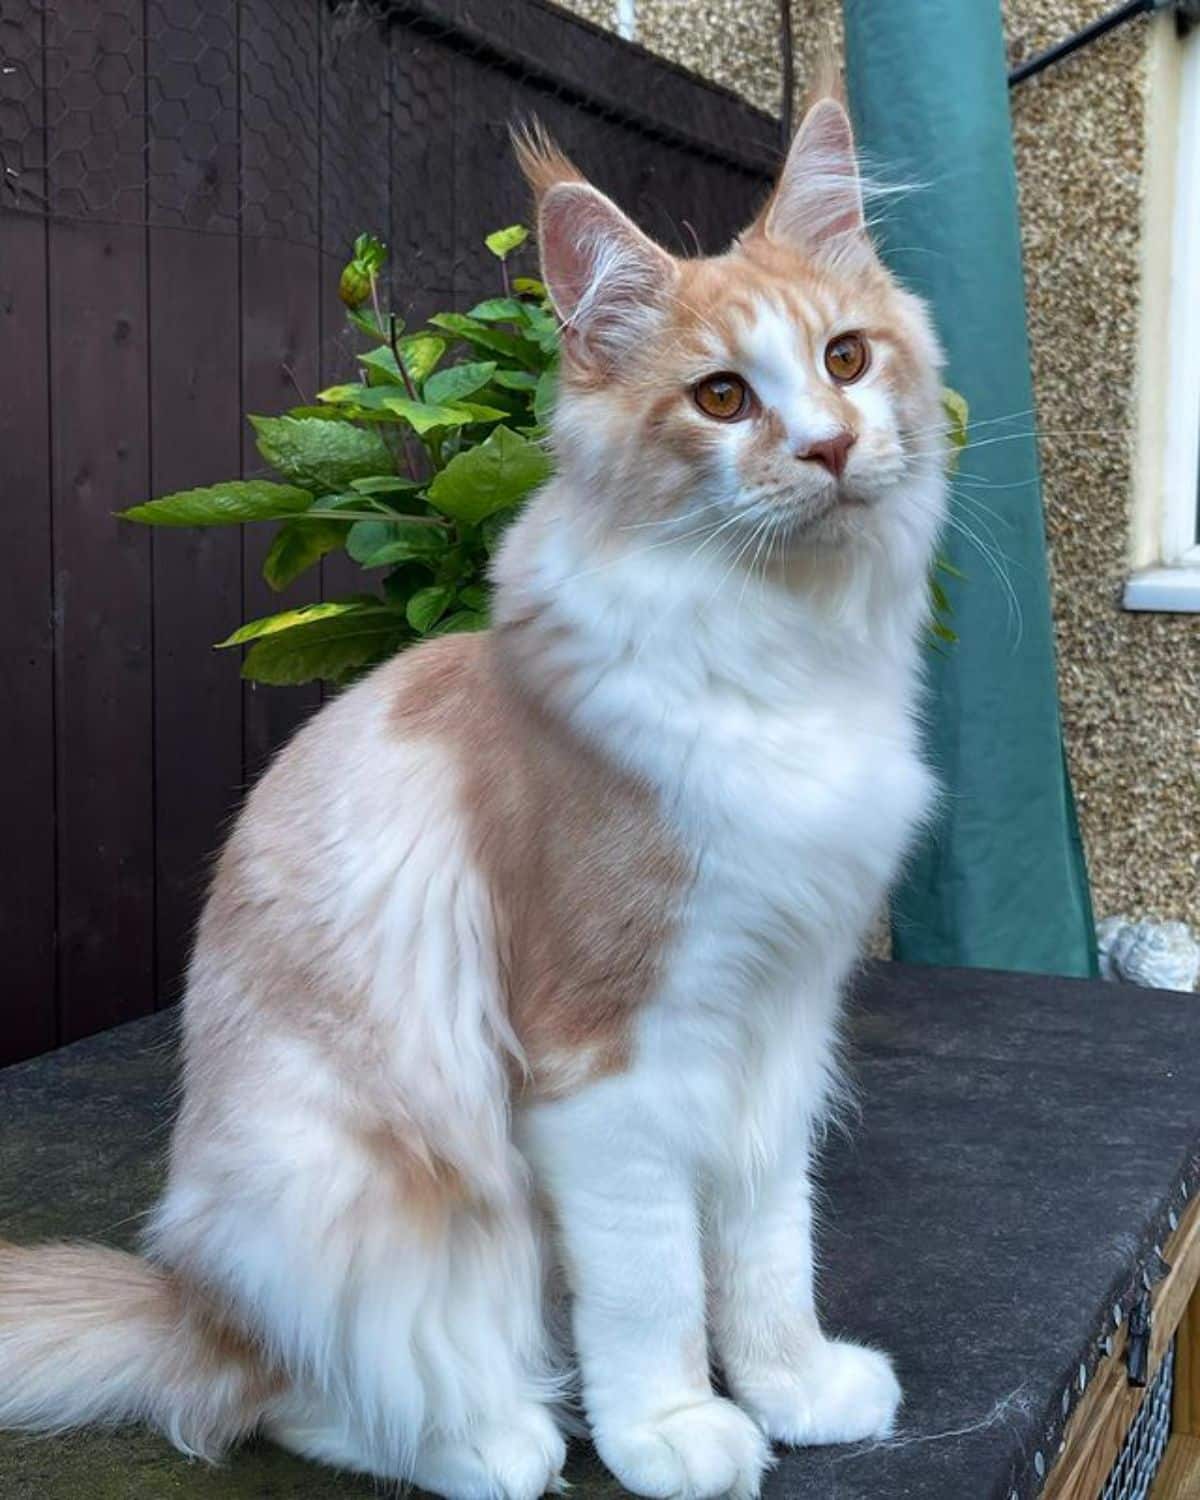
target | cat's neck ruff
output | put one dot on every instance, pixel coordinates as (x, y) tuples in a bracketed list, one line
[(620, 632)]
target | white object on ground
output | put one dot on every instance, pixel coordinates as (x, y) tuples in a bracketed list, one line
[(1160, 955)]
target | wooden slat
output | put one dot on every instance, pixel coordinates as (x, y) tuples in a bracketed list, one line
[(560, 53), (27, 642), (1178, 1477), (356, 186), (195, 425), (1186, 1409), (280, 279), (423, 109), (97, 339), (1098, 1426)]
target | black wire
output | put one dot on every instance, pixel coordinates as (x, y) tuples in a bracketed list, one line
[(788, 53), (1100, 27)]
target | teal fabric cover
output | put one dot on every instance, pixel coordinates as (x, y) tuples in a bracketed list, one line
[(1000, 881)]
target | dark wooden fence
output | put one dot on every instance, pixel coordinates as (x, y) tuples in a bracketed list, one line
[(180, 183)]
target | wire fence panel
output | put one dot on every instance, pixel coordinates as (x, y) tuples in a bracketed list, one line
[(180, 182)]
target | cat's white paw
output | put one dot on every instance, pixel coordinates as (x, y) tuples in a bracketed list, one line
[(517, 1460), (842, 1393), (700, 1451)]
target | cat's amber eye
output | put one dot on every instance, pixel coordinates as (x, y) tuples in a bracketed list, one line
[(725, 397), (847, 357)]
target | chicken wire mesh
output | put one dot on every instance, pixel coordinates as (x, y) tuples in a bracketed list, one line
[(296, 119), (1146, 1441)]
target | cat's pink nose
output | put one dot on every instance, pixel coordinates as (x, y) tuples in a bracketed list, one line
[(831, 453)]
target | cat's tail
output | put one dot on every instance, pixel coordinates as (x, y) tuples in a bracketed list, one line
[(90, 1335)]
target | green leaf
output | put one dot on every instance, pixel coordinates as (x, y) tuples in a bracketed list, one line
[(222, 504), (502, 242), (334, 649), (500, 310), (459, 380), (376, 544), (354, 393), (322, 456), (298, 545), (544, 326), (474, 597), (522, 351), (530, 286), (958, 416), (515, 380), (384, 484), (289, 619), (372, 252), (938, 593), (365, 322), (479, 413), (426, 607), (321, 413), (421, 353), (544, 395), (482, 480), (461, 620), (423, 417)]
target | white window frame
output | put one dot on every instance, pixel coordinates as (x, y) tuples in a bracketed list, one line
[(1165, 550)]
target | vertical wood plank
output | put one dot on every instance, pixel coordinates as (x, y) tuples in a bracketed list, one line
[(280, 278), (1186, 1409), (423, 149), (27, 902), (355, 196), (98, 335), (195, 427)]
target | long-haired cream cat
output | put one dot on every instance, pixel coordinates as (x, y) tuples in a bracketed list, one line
[(522, 963)]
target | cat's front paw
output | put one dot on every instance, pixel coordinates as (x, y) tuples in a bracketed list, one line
[(701, 1451), (842, 1393)]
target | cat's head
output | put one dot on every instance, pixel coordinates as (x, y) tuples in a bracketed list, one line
[(789, 384)]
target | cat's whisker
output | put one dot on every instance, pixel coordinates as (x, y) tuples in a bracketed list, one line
[(998, 564), (672, 520)]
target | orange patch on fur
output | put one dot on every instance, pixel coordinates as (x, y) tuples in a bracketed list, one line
[(585, 878)]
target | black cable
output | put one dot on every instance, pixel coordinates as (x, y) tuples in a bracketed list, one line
[(1100, 27), (788, 50)]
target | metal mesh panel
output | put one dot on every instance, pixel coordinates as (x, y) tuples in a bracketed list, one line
[(1146, 1442), (265, 116)]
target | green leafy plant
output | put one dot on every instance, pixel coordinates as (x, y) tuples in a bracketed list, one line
[(414, 469)]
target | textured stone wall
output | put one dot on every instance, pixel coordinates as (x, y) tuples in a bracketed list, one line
[(1130, 683)]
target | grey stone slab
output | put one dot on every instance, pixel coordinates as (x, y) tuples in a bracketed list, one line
[(1019, 1147)]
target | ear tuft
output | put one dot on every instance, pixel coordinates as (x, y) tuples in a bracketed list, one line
[(817, 205), (542, 163)]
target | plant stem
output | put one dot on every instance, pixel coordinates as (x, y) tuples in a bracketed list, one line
[(399, 358)]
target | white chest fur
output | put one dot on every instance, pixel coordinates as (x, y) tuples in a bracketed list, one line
[(783, 751)]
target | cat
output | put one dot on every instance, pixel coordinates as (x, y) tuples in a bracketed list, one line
[(522, 964)]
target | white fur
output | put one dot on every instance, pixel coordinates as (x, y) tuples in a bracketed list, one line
[(778, 726), (405, 1349)]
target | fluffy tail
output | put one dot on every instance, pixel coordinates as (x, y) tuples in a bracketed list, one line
[(89, 1335)]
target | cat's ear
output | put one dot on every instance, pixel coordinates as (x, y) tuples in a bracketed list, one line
[(817, 206), (608, 281)]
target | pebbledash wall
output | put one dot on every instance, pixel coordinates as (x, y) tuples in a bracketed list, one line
[(1130, 682)]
